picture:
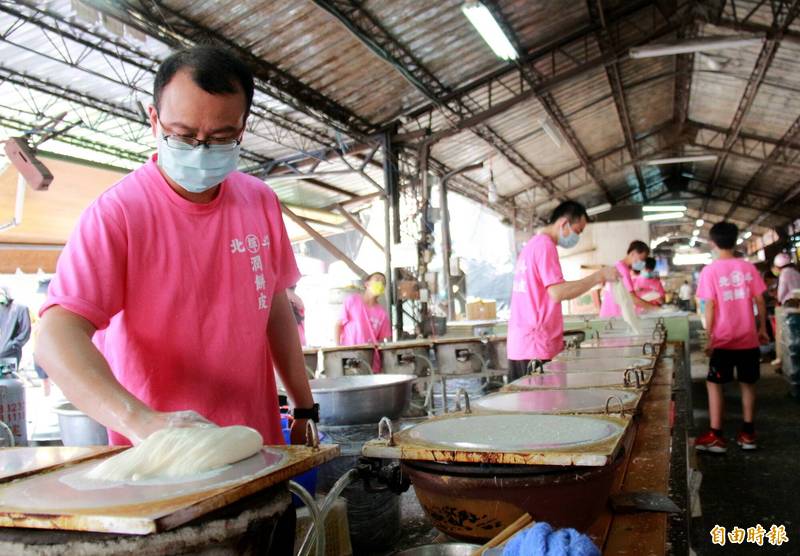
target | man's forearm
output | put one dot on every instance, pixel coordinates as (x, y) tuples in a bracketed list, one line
[(287, 354), (572, 289), (709, 314), (65, 350), (762, 313)]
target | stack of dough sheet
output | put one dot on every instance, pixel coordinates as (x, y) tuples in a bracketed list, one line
[(625, 302)]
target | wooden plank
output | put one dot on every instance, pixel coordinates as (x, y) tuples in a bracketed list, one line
[(16, 463), (645, 533), (145, 516)]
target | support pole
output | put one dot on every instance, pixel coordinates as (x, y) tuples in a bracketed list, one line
[(359, 226), (391, 204), (446, 243)]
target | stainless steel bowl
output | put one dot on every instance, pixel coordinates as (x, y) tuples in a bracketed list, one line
[(78, 429), (355, 400), (442, 549)]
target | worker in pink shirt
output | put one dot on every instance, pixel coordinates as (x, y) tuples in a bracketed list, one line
[(536, 326), (730, 288), (638, 251), (184, 265), (363, 320), (647, 285)]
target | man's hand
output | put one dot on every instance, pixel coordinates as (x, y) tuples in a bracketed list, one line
[(149, 423), (297, 436), (763, 337), (607, 274)]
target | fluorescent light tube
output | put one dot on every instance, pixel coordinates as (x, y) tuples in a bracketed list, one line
[(697, 45), (739, 241), (699, 223), (662, 216), (664, 208), (605, 207), (483, 21), (696, 232), (680, 159), (747, 234)]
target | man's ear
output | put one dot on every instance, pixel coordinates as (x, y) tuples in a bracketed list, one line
[(152, 114)]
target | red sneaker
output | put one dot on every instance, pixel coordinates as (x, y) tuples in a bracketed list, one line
[(746, 441), (710, 442)]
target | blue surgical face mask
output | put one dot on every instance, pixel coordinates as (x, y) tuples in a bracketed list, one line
[(196, 169), (570, 240), (637, 265), (646, 274)]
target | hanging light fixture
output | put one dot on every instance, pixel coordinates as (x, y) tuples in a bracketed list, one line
[(485, 23)]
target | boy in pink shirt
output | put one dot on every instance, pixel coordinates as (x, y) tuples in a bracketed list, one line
[(638, 251), (647, 285), (730, 286), (182, 266), (363, 319), (536, 326)]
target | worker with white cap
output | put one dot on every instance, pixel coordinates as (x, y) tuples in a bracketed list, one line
[(788, 282)]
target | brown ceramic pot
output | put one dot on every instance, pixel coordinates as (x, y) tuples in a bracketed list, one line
[(475, 502)]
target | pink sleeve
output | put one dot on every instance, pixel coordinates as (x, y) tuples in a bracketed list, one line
[(285, 265), (705, 284), (344, 316), (91, 273), (386, 328), (625, 273), (547, 263)]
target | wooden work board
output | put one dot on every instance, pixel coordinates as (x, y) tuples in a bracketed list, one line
[(54, 499), (646, 468)]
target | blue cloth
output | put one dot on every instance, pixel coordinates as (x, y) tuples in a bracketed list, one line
[(542, 540)]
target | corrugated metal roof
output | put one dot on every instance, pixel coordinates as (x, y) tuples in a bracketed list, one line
[(315, 48)]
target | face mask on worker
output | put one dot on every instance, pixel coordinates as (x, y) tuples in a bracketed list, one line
[(570, 240), (646, 274), (637, 266), (376, 288), (196, 169), (3, 298)]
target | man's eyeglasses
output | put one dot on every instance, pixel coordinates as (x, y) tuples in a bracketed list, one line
[(189, 143)]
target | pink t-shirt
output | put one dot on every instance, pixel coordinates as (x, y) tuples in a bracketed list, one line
[(732, 284), (362, 323), (536, 326), (642, 286), (183, 291), (609, 307)]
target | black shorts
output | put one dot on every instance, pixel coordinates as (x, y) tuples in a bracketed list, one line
[(519, 368), (746, 361)]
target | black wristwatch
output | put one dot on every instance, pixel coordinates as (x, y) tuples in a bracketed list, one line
[(307, 413)]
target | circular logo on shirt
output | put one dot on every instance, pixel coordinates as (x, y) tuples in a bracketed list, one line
[(252, 243), (737, 278)]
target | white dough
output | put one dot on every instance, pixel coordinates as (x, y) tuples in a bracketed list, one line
[(180, 452), (625, 302)]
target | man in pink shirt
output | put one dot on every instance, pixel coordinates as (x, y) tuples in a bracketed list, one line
[(536, 326), (638, 251), (183, 265), (729, 287), (647, 285), (363, 319)]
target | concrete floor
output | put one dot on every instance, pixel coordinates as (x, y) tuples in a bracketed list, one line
[(748, 488)]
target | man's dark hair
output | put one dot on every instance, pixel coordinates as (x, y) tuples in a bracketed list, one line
[(572, 210), (639, 247), (650, 264), (214, 69), (724, 234), (373, 275)]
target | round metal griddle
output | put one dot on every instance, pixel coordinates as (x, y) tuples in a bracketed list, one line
[(515, 432), (597, 364), (557, 401)]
